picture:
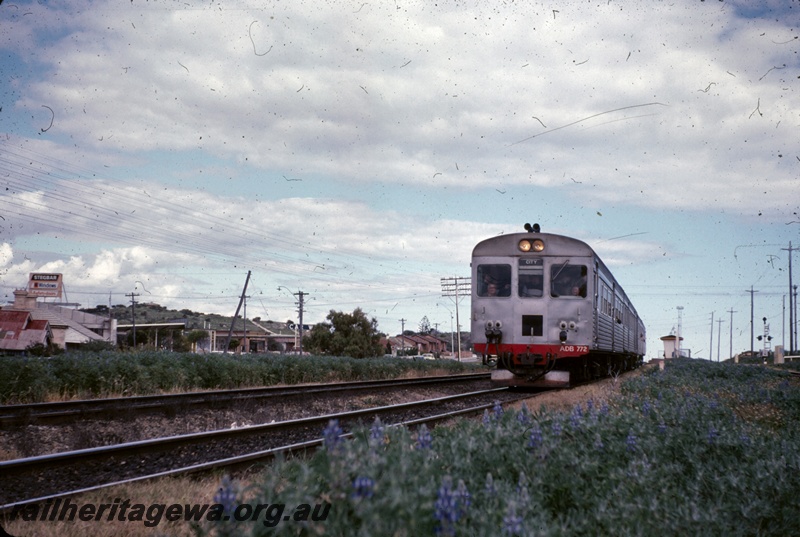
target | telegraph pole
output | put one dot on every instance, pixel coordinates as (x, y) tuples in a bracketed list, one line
[(456, 288), (751, 318), (244, 319), (731, 350), (300, 308), (233, 321), (711, 338), (719, 329), (403, 336), (795, 315), (792, 316), (133, 314), (300, 295)]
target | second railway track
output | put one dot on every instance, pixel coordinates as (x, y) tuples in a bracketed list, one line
[(60, 412), (38, 478)]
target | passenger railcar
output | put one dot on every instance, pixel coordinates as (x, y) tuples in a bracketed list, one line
[(548, 312)]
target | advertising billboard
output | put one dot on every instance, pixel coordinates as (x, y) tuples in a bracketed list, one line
[(46, 285)]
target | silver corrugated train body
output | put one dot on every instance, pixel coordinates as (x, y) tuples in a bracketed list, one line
[(547, 311)]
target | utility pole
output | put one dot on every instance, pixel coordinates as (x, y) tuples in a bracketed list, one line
[(731, 343), (241, 299), (751, 318), (403, 336), (680, 328), (711, 339), (244, 319), (300, 308), (456, 288), (795, 316), (133, 314), (792, 315), (300, 295), (719, 329)]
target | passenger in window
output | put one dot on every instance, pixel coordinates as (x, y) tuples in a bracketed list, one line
[(531, 285), (568, 284), (491, 289), (498, 288)]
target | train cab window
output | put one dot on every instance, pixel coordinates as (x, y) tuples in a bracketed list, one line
[(531, 277), (568, 280), (494, 280)]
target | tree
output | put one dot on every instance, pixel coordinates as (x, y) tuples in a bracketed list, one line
[(196, 336), (346, 334), (424, 325)]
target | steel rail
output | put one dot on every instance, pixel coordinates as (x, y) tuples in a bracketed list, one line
[(60, 411), (248, 459), (126, 458)]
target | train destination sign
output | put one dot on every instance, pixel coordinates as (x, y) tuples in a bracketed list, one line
[(45, 285)]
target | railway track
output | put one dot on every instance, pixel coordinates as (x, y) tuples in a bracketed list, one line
[(54, 413), (37, 479)]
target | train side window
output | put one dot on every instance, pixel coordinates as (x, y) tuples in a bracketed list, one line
[(494, 280), (568, 280)]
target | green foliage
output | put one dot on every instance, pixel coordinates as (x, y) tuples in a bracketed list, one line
[(40, 349), (99, 374), (97, 346), (346, 334), (697, 449), (196, 335)]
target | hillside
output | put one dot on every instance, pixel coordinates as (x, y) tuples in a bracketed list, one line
[(155, 313)]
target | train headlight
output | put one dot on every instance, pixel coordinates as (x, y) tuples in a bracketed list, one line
[(527, 245), (572, 325), (562, 325)]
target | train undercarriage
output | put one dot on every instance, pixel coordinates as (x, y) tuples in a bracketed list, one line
[(546, 371)]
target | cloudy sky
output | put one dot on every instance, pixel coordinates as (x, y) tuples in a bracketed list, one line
[(358, 150)]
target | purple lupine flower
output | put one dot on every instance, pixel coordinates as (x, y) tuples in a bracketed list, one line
[(535, 439), (450, 506), (463, 495), (646, 408), (631, 442), (712, 435), (497, 410), (598, 445), (331, 435), (524, 415), (522, 489), (376, 431), (226, 495), (363, 487), (662, 428), (512, 523), (576, 417), (556, 428), (489, 487), (486, 420), (424, 438)]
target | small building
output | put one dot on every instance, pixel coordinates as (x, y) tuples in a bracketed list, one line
[(19, 331), (671, 348), (67, 327), (424, 343)]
